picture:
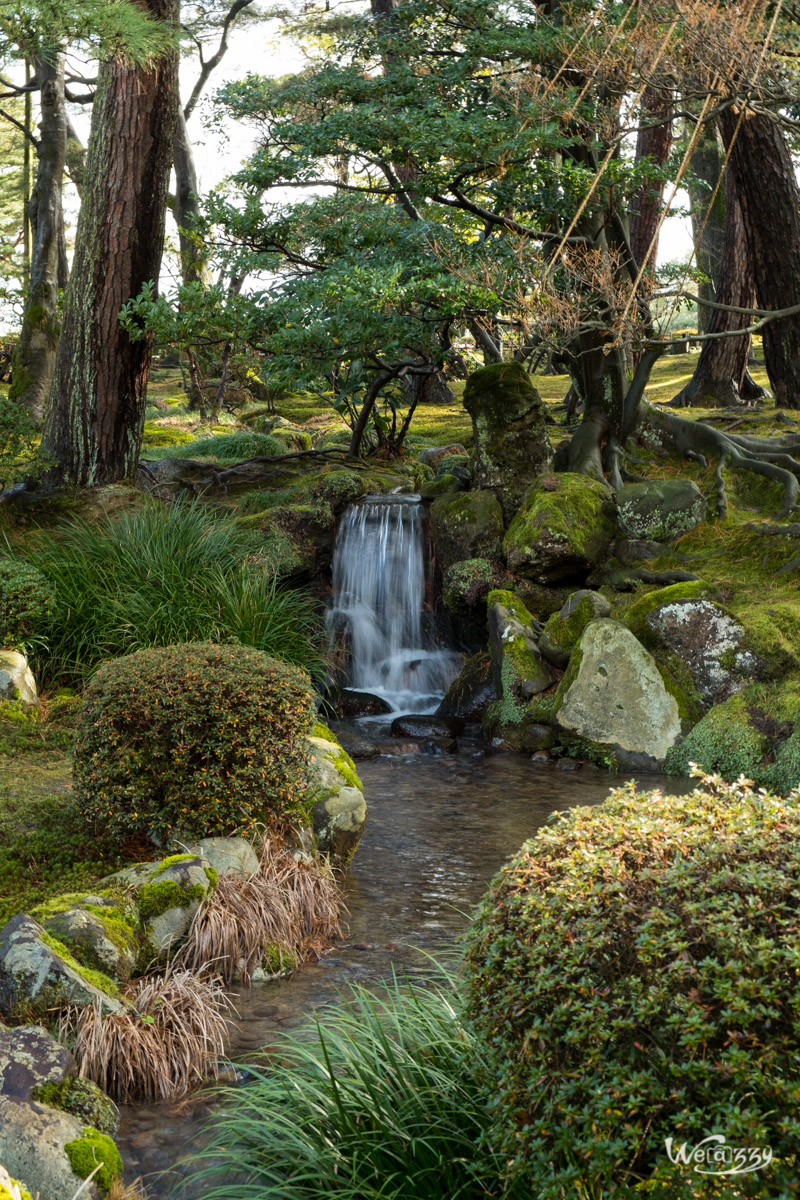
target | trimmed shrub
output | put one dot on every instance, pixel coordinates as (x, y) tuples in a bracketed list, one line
[(192, 740), (26, 605), (633, 974)]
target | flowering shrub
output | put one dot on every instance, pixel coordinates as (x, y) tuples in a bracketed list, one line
[(634, 972), (192, 740)]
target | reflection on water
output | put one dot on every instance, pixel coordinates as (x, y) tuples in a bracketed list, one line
[(439, 827)]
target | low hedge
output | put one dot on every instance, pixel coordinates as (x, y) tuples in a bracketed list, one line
[(27, 602), (192, 740), (634, 972)]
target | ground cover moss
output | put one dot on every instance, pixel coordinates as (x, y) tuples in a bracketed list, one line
[(91, 1149)]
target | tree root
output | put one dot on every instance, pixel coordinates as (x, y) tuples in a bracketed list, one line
[(625, 581)]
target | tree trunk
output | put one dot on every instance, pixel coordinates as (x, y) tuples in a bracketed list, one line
[(185, 207), (720, 373), (35, 354), (95, 421), (653, 142), (707, 223), (762, 169)]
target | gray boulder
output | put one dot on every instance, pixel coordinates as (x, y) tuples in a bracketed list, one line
[(518, 669), (613, 698), (466, 526), (101, 943), (32, 1149), (660, 509), (339, 816), (16, 678), (563, 630), (36, 975), (710, 642), (470, 695), (167, 894), (227, 855), (29, 1058)]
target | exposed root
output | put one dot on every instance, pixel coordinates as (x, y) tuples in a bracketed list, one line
[(625, 581), (768, 457)]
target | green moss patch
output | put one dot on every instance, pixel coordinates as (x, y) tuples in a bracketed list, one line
[(93, 1149), (154, 899), (635, 617), (96, 978), (83, 1099)]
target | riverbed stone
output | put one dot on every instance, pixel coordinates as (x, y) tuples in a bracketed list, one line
[(563, 530), (167, 894), (33, 1138), (659, 509), (30, 1058), (339, 816), (350, 702), (511, 445), (613, 699), (16, 678), (37, 974), (471, 693), (423, 726), (563, 630), (227, 855), (466, 526)]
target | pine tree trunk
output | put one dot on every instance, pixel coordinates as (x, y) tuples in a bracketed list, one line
[(35, 354), (653, 142), (767, 190), (708, 218), (722, 366), (95, 420)]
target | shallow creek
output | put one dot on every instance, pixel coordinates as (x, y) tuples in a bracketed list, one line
[(439, 828)]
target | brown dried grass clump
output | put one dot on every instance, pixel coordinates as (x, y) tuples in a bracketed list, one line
[(170, 1038), (289, 904)]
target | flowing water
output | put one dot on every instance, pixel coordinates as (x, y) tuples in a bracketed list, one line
[(438, 829), (381, 614)]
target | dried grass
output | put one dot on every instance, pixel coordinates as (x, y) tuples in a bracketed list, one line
[(289, 904), (127, 1191), (169, 1040)]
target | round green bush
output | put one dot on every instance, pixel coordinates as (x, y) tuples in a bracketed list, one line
[(27, 602), (192, 740), (634, 972)]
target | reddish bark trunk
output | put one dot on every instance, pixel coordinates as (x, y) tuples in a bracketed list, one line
[(94, 426), (653, 142)]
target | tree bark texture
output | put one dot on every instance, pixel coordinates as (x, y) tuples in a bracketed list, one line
[(761, 166), (35, 354), (95, 420), (722, 366), (654, 142), (186, 205), (708, 219)]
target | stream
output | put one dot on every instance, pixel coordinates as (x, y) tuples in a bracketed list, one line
[(439, 827)]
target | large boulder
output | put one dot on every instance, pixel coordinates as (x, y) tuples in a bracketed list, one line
[(339, 814), (52, 1152), (511, 443), (29, 1059), (711, 642), (469, 696), (227, 855), (37, 973), (96, 932), (519, 674), (469, 525), (659, 509), (562, 531), (16, 678), (613, 699), (167, 894), (564, 628)]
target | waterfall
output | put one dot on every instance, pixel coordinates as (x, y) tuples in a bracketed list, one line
[(381, 573)]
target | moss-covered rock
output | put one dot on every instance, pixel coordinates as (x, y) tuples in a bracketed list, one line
[(466, 585), (82, 1099), (31, 1059), (613, 697), (93, 1150), (466, 526), (16, 678), (562, 531), (659, 509), (636, 616), (442, 485), (511, 444), (564, 628), (166, 895), (755, 733), (12, 1189), (33, 1138), (518, 671), (339, 812), (38, 973), (470, 695)]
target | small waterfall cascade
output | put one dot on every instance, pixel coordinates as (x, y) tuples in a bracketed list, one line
[(381, 613)]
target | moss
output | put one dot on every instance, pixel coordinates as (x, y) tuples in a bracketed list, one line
[(347, 769), (117, 924), (756, 734), (154, 899), (96, 978), (510, 601), (279, 959), (540, 708), (572, 746), (20, 1191), (563, 632), (212, 875), (91, 1149), (322, 731), (635, 617), (83, 1099), (173, 860), (165, 435), (678, 680), (772, 633), (467, 583)]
